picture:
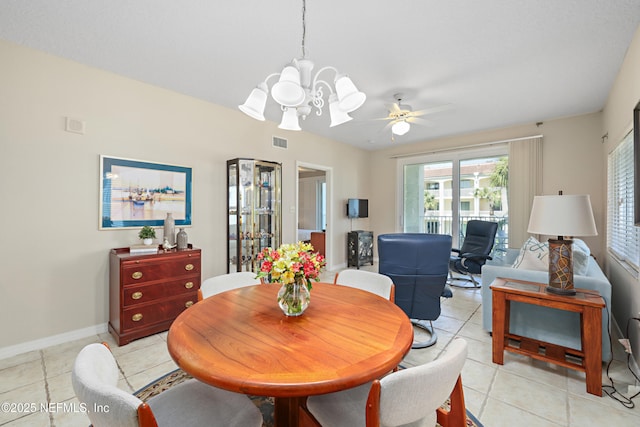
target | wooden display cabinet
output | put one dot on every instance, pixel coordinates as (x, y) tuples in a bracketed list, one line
[(254, 211)]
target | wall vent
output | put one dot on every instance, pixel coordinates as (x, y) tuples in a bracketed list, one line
[(279, 142)]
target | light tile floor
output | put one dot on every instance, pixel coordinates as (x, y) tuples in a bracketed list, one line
[(35, 388)]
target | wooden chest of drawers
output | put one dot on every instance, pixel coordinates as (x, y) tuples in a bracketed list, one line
[(147, 292)]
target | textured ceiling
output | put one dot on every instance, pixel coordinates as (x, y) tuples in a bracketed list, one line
[(497, 62)]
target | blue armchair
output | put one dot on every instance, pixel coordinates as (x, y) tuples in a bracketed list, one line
[(418, 264)]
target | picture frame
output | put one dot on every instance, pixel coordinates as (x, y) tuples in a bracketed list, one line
[(135, 193)]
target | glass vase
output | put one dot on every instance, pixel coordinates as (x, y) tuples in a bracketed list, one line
[(293, 298)]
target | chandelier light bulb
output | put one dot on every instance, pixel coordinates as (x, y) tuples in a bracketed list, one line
[(289, 120)]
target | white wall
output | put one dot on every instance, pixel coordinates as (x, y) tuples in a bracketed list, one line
[(618, 119), (54, 273)]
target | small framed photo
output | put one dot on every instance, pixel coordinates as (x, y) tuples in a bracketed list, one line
[(134, 193)]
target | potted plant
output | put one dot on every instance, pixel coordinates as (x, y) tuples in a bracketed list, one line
[(147, 234)]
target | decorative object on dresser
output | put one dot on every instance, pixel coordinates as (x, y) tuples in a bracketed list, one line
[(254, 207), (359, 248), (562, 216), (170, 229), (182, 239), (143, 249), (147, 234), (147, 292)]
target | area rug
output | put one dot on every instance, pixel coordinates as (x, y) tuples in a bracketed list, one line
[(265, 404)]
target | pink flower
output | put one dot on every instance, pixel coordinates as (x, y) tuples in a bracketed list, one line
[(266, 266)]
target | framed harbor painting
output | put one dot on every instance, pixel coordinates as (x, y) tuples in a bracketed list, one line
[(134, 193)]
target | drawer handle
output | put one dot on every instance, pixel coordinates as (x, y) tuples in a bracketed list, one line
[(136, 317), (137, 274), (188, 267), (136, 295), (188, 285), (188, 304)]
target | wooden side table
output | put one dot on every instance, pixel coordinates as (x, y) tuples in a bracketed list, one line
[(588, 303)]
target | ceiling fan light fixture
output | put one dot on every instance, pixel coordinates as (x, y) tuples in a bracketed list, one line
[(255, 103), (290, 120), (400, 128), (338, 116)]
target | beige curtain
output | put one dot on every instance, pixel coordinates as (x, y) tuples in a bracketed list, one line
[(525, 182)]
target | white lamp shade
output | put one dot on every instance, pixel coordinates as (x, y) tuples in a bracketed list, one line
[(288, 91), (338, 116), (349, 97), (562, 215), (400, 128), (289, 120), (255, 103)]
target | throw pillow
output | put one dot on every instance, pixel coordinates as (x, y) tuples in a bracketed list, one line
[(581, 253), (533, 255)]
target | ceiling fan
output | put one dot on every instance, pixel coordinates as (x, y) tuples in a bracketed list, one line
[(401, 116)]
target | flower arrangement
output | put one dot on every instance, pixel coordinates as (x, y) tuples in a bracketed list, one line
[(291, 263)]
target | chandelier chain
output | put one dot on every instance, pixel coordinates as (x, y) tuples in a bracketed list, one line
[(304, 27)]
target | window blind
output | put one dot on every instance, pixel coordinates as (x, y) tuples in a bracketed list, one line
[(623, 237)]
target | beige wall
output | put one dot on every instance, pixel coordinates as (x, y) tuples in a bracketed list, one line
[(617, 121), (54, 258), (572, 162)]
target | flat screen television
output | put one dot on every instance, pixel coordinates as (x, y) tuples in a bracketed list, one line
[(358, 208)]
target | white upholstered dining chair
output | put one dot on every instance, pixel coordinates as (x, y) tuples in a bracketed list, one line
[(191, 403), (378, 284), (408, 397), (225, 282)]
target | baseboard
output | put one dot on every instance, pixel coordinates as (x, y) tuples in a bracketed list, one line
[(14, 350)]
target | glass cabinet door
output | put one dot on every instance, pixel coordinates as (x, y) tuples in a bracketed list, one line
[(254, 206)]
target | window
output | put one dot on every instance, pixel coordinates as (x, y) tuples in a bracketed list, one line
[(623, 237), (441, 192)]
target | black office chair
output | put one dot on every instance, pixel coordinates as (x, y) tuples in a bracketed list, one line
[(417, 263), (474, 253)]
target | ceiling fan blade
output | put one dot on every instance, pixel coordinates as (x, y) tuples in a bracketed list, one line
[(393, 108), (388, 126), (432, 110), (420, 121)]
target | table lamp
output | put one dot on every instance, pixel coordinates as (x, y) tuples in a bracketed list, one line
[(562, 215)]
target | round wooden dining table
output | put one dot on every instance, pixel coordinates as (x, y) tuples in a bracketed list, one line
[(241, 341)]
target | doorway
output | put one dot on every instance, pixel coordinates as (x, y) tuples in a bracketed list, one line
[(313, 200)]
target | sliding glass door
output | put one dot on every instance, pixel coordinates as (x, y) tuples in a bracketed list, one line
[(442, 192)]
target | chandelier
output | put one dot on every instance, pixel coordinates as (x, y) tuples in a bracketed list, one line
[(298, 94)]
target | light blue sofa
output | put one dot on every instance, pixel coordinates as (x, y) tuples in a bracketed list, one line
[(543, 323)]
